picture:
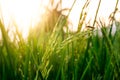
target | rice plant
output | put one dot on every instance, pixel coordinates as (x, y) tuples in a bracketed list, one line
[(56, 55)]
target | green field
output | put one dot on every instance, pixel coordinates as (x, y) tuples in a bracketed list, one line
[(52, 54)]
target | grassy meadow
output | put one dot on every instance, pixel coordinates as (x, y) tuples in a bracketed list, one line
[(49, 53)]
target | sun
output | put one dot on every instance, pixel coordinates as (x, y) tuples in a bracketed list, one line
[(27, 13), (24, 13)]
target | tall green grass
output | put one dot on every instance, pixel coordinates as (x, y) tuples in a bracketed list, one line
[(56, 55)]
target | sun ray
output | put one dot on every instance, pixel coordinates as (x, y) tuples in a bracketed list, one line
[(24, 13), (27, 13)]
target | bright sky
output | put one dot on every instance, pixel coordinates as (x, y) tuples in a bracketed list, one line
[(106, 8), (26, 13)]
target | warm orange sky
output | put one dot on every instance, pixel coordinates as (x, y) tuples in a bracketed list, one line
[(27, 13)]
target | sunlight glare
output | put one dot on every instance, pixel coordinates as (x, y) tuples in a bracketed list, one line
[(24, 13), (27, 13)]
